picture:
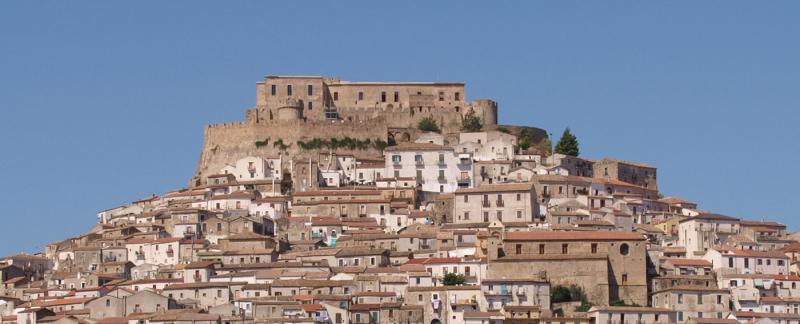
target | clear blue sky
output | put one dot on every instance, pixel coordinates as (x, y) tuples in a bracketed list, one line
[(104, 102)]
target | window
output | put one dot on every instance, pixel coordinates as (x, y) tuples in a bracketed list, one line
[(564, 248), (624, 278), (310, 106), (383, 96), (108, 302), (680, 298), (466, 198), (335, 96), (594, 247), (289, 90), (624, 249), (360, 95), (519, 214), (519, 248), (719, 299), (519, 197), (310, 90), (760, 262), (457, 96), (730, 262), (274, 89), (396, 96), (499, 215), (541, 248), (466, 215), (699, 299), (441, 95)]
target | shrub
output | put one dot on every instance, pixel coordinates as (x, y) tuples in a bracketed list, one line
[(428, 124)]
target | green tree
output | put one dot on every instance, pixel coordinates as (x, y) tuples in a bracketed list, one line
[(560, 294), (568, 144), (428, 124), (524, 143), (471, 122), (453, 279)]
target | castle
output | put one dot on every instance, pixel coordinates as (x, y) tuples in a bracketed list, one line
[(292, 108)]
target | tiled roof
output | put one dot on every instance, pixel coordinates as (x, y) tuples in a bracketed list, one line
[(573, 236)]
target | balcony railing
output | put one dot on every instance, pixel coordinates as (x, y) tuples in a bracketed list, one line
[(442, 179), (419, 163), (463, 181), (396, 163), (442, 164), (500, 203), (485, 203), (140, 256), (170, 253)]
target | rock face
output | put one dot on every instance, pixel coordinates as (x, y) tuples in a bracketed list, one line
[(292, 109)]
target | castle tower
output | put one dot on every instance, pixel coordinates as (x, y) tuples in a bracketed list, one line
[(290, 109), (487, 110)]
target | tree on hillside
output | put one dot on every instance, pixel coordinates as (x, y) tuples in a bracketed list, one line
[(471, 122), (428, 124), (568, 144)]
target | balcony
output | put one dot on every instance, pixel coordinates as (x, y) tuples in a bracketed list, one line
[(419, 163), (442, 179), (442, 164), (170, 253), (140, 256), (545, 194), (500, 203), (485, 203), (396, 164), (464, 181)]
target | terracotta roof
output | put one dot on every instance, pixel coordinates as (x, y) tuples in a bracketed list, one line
[(418, 147), (710, 216), (499, 187), (202, 285), (573, 236), (688, 262)]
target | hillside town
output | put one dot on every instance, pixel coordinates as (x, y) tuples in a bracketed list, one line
[(385, 202)]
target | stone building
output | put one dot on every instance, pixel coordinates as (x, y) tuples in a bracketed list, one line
[(694, 302), (512, 202), (631, 172), (610, 266)]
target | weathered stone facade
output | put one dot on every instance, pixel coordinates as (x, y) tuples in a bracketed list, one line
[(325, 108)]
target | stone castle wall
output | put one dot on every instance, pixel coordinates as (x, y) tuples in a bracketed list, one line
[(228, 142)]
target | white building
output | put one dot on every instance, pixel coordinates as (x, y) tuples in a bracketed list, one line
[(435, 167)]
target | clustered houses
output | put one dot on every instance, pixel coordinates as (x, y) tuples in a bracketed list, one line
[(465, 227)]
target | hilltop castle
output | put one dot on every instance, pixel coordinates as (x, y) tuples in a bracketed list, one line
[(292, 108)]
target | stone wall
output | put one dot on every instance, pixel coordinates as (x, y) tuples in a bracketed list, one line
[(228, 142)]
